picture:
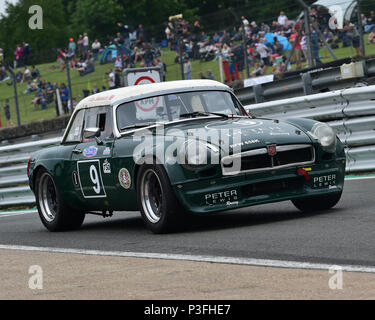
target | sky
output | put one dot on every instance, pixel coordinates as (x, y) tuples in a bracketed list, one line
[(2, 5)]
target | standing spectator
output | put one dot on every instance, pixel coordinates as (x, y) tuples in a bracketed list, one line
[(26, 53), (297, 49), (352, 33), (80, 45), (19, 56), (7, 112), (282, 19), (263, 51), (161, 65), (245, 21), (187, 69), (197, 27), (148, 55), (239, 57), (133, 37), (111, 79), (118, 82), (140, 34), (64, 94), (86, 43), (125, 33), (72, 45), (169, 32), (95, 48), (315, 46)]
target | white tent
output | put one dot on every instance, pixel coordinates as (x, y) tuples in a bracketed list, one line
[(340, 9)]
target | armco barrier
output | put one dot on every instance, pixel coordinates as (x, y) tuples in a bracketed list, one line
[(310, 82), (351, 112), (14, 189)]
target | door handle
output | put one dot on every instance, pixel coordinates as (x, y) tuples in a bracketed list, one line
[(77, 151)]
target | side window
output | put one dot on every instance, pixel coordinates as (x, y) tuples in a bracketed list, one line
[(75, 132), (100, 117)]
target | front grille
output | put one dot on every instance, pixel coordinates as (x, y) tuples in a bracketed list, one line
[(274, 186), (259, 159)]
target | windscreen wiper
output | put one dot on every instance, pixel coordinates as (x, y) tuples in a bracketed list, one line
[(138, 125), (199, 114)]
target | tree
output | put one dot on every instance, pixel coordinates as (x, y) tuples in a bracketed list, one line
[(15, 29)]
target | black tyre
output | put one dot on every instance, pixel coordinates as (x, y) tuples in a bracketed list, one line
[(160, 209), (317, 203), (55, 214)]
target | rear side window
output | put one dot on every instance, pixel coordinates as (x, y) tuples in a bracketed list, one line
[(75, 131)]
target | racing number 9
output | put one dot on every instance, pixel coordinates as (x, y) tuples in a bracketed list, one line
[(95, 179)]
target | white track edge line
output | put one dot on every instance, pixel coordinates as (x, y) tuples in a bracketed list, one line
[(359, 178), (199, 258)]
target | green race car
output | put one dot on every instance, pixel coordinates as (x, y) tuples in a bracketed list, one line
[(174, 148)]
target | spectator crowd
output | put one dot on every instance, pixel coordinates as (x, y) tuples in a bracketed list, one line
[(264, 44)]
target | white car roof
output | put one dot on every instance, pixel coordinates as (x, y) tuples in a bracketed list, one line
[(131, 93)]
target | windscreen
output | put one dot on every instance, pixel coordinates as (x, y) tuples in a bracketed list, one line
[(176, 106)]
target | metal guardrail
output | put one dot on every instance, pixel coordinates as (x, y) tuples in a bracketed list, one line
[(310, 82), (14, 189), (351, 112)]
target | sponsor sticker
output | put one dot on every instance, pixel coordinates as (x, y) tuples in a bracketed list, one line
[(106, 166), (107, 151), (327, 181), (90, 151), (228, 197), (244, 143), (124, 178)]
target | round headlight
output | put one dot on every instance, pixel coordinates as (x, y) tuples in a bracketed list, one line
[(325, 135)]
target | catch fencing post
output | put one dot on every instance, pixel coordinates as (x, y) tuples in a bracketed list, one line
[(15, 94), (307, 83), (258, 93)]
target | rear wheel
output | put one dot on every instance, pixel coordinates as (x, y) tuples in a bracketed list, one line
[(317, 203), (160, 209), (55, 214)]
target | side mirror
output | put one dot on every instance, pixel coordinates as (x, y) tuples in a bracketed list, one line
[(89, 133)]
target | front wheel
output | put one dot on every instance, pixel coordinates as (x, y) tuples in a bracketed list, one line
[(317, 203), (157, 202), (54, 213)]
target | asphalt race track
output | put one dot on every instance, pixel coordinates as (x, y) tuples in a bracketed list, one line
[(344, 235)]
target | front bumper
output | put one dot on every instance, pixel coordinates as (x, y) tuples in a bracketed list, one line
[(250, 189)]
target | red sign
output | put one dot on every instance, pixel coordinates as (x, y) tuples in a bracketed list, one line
[(155, 101)]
